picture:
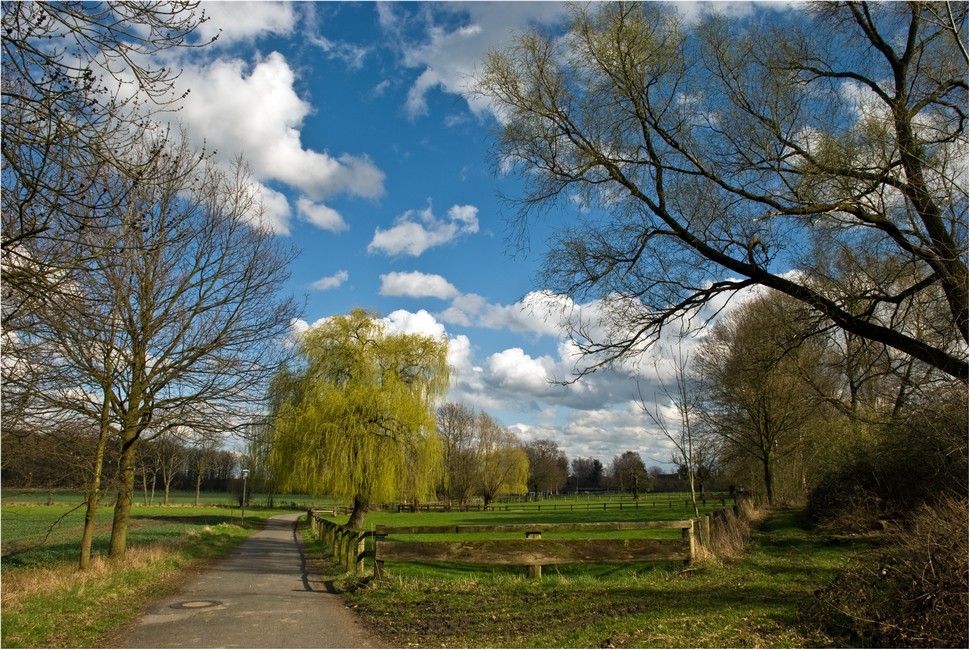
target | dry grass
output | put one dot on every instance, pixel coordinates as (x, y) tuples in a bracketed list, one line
[(914, 594), (48, 581), (730, 534), (58, 605)]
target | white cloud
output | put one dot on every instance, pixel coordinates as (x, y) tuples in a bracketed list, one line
[(515, 370), (415, 284), (421, 322), (331, 281), (275, 210), (450, 57), (254, 110), (243, 21), (320, 215), (416, 231)]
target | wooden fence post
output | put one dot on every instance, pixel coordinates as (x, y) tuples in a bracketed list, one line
[(706, 531), (378, 564), (361, 541), (688, 534), (533, 570)]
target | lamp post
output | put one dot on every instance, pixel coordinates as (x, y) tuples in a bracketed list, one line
[(245, 473)]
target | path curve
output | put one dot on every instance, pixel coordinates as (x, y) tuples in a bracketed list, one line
[(261, 596)]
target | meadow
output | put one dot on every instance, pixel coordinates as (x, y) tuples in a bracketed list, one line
[(763, 597)]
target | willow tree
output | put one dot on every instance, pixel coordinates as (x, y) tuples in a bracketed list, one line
[(356, 418)]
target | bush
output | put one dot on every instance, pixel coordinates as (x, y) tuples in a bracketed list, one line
[(909, 462), (916, 595)]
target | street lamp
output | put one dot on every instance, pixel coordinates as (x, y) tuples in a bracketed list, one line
[(245, 473)]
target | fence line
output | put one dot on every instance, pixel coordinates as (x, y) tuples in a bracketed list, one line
[(348, 545)]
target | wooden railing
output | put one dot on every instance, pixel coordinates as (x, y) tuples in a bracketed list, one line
[(532, 551), (348, 545)]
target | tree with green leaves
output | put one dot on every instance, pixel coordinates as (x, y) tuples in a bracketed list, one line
[(356, 417), (821, 154)]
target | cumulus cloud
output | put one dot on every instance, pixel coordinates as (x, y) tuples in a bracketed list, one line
[(449, 55), (234, 22), (275, 214), (320, 215), (255, 110), (416, 231), (240, 108), (420, 322), (331, 281), (415, 284), (513, 369)]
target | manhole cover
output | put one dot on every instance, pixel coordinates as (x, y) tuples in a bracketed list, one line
[(196, 604)]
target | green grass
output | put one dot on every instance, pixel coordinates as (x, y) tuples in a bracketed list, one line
[(765, 599), (48, 602), (661, 511)]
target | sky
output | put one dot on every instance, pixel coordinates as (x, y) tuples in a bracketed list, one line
[(373, 157)]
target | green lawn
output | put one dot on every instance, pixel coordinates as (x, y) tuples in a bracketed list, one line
[(765, 599), (48, 602)]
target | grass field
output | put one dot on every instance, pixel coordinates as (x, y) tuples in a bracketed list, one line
[(48, 602), (763, 600), (563, 510)]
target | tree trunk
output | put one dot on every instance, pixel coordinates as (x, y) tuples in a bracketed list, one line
[(356, 520), (87, 536), (126, 487), (769, 480)]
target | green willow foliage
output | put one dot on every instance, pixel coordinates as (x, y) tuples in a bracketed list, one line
[(357, 418)]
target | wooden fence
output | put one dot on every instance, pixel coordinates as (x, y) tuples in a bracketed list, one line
[(348, 545), (532, 551)]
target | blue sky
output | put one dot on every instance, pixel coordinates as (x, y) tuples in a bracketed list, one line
[(372, 156)]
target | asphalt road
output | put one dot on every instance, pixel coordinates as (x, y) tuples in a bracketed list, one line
[(262, 596)]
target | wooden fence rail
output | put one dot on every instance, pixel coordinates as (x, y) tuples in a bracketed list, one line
[(533, 552), (348, 545)]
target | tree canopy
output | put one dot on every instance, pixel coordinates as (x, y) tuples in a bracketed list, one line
[(822, 155), (356, 417)]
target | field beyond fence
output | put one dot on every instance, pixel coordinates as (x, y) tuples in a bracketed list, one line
[(573, 541)]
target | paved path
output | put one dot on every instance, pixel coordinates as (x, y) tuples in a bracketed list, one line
[(259, 597)]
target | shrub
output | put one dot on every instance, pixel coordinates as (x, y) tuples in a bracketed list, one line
[(916, 595), (907, 463)]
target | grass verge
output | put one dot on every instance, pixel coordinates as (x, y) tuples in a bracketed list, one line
[(763, 599), (52, 604)]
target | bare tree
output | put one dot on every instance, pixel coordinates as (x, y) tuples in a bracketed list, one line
[(179, 321), (713, 158), (456, 426), (753, 394), (630, 473), (82, 82), (503, 466), (548, 467), (682, 432)]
